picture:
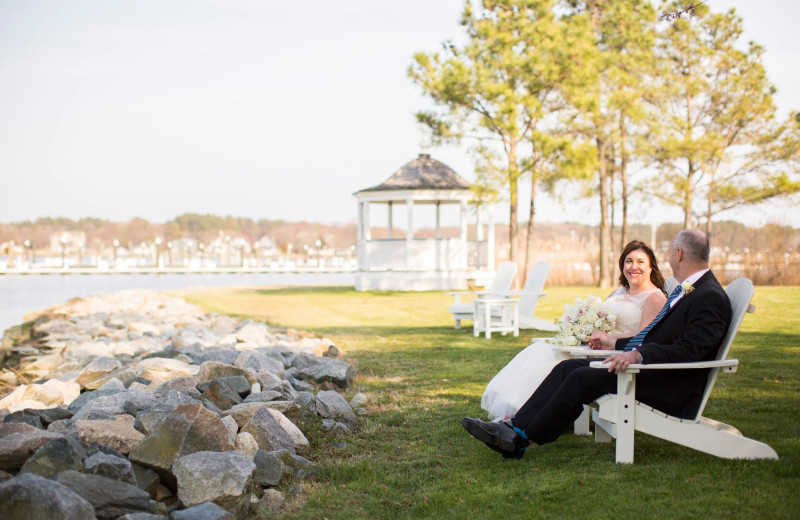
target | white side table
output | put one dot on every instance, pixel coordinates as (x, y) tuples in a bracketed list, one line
[(496, 315)]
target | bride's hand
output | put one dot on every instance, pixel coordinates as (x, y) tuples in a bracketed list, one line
[(596, 340)]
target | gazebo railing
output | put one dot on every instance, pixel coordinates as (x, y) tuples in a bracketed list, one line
[(420, 254)]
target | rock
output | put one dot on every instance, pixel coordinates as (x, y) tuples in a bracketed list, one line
[(269, 469), (271, 502), (109, 466), (233, 428), (204, 511), (15, 427), (186, 430), (222, 395), (267, 378), (256, 333), (110, 498), (59, 426), (332, 370), (129, 401), (210, 370), (294, 432), (185, 385), (142, 516), (258, 361), (164, 369), (16, 448), (54, 457), (285, 388), (246, 444), (115, 434), (98, 368), (146, 478), (224, 478), (268, 432), (80, 401), (263, 397), (296, 466), (358, 401), (302, 386), (48, 395), (108, 383), (31, 497), (331, 405), (335, 427)]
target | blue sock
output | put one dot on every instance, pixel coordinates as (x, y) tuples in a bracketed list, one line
[(516, 428)]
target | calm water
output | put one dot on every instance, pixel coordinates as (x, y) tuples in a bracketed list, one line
[(20, 295)]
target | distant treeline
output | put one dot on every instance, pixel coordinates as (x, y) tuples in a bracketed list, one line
[(730, 234)]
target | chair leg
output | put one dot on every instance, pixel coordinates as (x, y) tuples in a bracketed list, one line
[(626, 410), (581, 426), (458, 324)]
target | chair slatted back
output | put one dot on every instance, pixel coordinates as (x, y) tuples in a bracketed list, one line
[(740, 292), (533, 286), (503, 278)]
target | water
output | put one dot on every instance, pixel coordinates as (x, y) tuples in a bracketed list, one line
[(20, 295)]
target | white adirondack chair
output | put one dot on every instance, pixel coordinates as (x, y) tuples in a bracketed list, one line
[(501, 285), (620, 415), (529, 297)]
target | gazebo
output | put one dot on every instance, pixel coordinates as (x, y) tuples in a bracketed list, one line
[(389, 261)]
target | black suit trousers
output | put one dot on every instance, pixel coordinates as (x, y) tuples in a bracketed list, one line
[(559, 400)]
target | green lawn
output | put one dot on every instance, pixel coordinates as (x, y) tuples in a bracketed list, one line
[(411, 458)]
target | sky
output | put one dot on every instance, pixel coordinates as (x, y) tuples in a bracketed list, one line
[(269, 110)]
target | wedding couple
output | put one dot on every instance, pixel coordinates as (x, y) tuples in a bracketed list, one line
[(539, 395)]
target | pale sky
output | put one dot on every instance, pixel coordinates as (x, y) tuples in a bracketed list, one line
[(261, 109)]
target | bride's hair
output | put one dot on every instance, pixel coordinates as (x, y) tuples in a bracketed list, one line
[(655, 274)]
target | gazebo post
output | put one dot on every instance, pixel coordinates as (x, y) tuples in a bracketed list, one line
[(410, 231), (391, 220), (490, 237)]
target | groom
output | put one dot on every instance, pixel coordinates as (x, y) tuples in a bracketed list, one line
[(690, 327)]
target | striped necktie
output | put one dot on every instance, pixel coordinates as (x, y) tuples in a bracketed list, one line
[(638, 339)]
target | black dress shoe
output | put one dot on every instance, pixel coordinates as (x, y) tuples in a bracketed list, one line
[(498, 436)]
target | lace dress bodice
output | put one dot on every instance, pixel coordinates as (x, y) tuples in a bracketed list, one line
[(628, 310)]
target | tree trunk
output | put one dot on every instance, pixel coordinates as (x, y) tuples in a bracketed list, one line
[(605, 238), (529, 234), (623, 177), (513, 225)]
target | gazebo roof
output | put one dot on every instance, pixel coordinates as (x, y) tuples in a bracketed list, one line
[(423, 173)]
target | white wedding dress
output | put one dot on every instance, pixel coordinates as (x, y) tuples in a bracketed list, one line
[(516, 382)]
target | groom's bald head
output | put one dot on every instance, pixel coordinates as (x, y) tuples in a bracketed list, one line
[(694, 244)]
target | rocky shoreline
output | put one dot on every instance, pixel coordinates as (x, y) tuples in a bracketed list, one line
[(137, 405)]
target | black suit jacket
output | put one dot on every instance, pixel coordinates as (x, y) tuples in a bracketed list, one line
[(692, 330)]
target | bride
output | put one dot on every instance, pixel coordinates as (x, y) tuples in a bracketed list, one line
[(635, 303)]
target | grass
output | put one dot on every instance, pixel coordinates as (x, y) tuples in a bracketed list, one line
[(411, 459)]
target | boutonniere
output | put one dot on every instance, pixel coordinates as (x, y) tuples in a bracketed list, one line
[(687, 287)]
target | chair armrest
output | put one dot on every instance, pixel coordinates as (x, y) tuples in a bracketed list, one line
[(587, 352), (727, 365), (523, 293), (498, 300)]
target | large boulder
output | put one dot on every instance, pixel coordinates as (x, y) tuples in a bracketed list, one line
[(224, 478), (269, 468), (210, 370), (16, 448), (31, 497), (187, 429), (110, 498)]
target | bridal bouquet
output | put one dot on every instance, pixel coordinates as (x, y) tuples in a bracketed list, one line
[(580, 319)]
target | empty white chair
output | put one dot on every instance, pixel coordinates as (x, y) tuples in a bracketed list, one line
[(501, 285)]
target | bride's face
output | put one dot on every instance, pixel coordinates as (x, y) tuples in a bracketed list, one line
[(637, 268)]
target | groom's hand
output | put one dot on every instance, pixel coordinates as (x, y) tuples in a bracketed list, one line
[(619, 362)]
